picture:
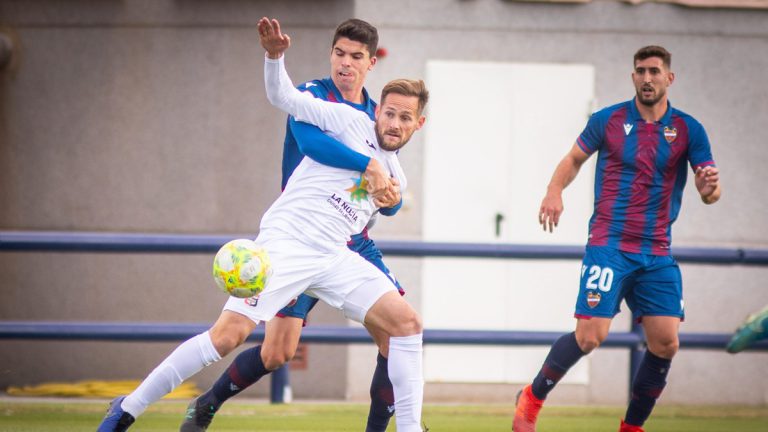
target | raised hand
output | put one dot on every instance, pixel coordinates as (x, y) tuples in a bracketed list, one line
[(271, 38)]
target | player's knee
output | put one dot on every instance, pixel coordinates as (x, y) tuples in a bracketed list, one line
[(228, 335), (275, 358), (408, 325), (588, 342), (665, 348), (226, 341)]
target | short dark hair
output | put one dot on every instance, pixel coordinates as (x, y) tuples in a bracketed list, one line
[(407, 87), (359, 31), (654, 51)]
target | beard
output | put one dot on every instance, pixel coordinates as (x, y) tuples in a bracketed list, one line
[(650, 101), (390, 146)]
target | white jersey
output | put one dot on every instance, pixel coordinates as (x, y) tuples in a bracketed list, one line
[(322, 205)]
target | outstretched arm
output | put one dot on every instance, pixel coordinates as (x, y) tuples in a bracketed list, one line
[(552, 204), (331, 117), (326, 150)]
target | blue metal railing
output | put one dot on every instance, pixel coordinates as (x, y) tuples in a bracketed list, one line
[(169, 332), (60, 241), (53, 241)]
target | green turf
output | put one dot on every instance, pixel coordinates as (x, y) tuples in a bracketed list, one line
[(62, 416)]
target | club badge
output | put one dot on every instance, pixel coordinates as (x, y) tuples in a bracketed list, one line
[(670, 134), (593, 299)]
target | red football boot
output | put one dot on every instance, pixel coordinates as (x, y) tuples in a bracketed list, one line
[(527, 408), (629, 428)]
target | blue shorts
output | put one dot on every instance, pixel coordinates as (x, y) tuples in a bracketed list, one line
[(651, 284), (364, 246)]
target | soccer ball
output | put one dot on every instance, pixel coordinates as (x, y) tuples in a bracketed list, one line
[(241, 268)]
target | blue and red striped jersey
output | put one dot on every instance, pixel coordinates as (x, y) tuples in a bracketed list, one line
[(323, 89), (640, 176)]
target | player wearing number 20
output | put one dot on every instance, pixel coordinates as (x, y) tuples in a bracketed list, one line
[(643, 148)]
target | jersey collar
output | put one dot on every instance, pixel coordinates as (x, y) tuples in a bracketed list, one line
[(636, 117), (368, 105)]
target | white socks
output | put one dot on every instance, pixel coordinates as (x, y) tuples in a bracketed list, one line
[(405, 372), (186, 360)]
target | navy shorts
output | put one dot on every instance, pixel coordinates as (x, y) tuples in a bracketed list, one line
[(651, 284), (364, 246)]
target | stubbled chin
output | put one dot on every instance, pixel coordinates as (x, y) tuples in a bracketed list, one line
[(348, 80), (390, 145)]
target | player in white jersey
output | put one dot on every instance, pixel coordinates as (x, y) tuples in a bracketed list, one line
[(305, 233)]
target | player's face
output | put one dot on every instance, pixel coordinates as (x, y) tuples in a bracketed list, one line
[(397, 118), (350, 63), (651, 80)]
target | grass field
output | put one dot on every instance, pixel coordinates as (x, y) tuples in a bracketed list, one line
[(20, 415)]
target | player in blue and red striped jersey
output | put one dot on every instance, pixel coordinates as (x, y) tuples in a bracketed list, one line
[(644, 147), (353, 55)]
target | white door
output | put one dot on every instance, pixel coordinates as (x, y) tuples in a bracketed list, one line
[(495, 133)]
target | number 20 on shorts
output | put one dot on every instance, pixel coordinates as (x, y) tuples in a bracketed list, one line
[(599, 278)]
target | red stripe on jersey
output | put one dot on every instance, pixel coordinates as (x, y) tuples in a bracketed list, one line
[(583, 146), (670, 173), (645, 167), (611, 178), (704, 164)]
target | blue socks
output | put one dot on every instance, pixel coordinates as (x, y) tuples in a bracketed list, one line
[(246, 369), (565, 352), (382, 398), (649, 382)]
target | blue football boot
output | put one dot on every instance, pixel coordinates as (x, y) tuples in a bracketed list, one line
[(116, 419)]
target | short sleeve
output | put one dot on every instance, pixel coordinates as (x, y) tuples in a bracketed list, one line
[(699, 150), (591, 138)]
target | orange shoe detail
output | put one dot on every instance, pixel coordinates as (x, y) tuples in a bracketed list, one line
[(527, 408), (629, 428)]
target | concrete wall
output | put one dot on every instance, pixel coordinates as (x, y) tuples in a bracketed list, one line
[(149, 116), (140, 116)]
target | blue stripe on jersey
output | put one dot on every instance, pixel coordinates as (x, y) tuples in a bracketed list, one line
[(324, 89), (627, 177)]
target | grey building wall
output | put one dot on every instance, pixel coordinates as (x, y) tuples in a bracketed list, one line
[(150, 116), (140, 116)]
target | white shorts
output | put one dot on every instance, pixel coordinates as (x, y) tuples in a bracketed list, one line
[(341, 278)]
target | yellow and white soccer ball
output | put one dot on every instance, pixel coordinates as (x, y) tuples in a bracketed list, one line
[(241, 268)]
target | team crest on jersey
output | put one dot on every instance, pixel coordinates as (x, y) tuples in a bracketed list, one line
[(359, 190), (593, 299), (670, 134)]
